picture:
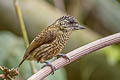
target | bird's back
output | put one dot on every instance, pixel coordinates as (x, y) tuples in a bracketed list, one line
[(48, 44), (47, 36)]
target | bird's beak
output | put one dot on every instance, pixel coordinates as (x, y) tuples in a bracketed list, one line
[(78, 27)]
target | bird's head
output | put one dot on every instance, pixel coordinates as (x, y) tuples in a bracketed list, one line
[(68, 23)]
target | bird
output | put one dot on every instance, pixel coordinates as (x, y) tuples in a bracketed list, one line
[(50, 42)]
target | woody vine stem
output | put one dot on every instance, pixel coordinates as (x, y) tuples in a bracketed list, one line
[(77, 53)]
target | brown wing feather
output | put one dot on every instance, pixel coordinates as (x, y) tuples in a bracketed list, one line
[(45, 37)]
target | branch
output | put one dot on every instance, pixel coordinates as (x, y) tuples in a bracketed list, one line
[(23, 30), (77, 53)]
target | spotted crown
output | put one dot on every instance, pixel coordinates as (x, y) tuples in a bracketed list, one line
[(67, 18)]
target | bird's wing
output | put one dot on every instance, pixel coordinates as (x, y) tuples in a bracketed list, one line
[(47, 36)]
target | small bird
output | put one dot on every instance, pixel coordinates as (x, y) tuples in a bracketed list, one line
[(50, 42)]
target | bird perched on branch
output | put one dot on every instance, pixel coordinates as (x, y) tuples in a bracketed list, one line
[(51, 41)]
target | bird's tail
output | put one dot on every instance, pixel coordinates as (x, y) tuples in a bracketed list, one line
[(21, 62)]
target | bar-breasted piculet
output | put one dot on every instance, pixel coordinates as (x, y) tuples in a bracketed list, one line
[(50, 42)]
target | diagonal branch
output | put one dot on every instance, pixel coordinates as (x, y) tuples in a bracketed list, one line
[(77, 53)]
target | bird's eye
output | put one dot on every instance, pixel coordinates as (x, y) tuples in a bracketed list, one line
[(71, 22)]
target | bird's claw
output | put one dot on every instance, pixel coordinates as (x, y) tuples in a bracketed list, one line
[(64, 56), (50, 65)]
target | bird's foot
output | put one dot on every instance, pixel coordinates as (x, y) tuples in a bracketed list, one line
[(64, 56), (50, 65)]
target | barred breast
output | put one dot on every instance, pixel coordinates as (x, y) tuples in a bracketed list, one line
[(56, 46), (47, 51), (60, 42)]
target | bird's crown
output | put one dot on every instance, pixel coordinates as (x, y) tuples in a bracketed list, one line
[(68, 19)]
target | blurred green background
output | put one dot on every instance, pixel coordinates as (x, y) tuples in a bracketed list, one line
[(101, 17)]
